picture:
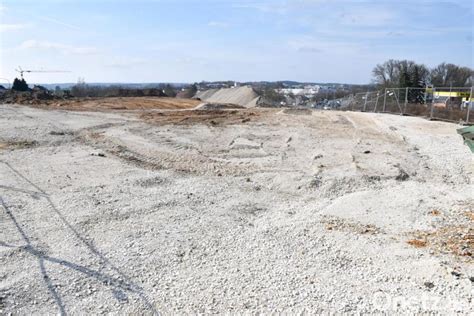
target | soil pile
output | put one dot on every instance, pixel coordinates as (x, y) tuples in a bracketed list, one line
[(243, 96)]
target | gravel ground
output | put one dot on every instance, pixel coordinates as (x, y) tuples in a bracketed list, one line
[(101, 212)]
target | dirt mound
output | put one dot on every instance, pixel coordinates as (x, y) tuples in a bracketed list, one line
[(107, 104), (211, 117), (37, 95), (217, 106), (243, 96), (131, 103), (206, 94), (297, 111)]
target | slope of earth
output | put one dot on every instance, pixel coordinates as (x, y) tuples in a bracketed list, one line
[(258, 211), (119, 103), (243, 96)]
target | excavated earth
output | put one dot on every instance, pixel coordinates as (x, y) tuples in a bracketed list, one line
[(232, 211)]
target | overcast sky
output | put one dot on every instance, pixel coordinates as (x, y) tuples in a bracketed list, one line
[(187, 41)]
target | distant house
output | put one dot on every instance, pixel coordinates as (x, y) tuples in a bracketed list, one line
[(307, 91)]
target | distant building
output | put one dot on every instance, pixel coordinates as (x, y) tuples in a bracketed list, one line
[(307, 91)]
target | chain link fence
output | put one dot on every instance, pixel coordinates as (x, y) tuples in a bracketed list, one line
[(447, 104)]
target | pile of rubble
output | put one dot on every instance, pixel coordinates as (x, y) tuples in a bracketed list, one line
[(243, 96), (42, 96), (37, 95)]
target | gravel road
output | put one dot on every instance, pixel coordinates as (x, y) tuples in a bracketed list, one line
[(280, 211)]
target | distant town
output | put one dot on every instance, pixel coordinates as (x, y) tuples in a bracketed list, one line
[(279, 93)]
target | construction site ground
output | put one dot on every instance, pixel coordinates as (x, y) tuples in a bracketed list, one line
[(153, 207), (116, 103)]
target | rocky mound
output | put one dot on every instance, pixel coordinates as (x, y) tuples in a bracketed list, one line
[(243, 96), (217, 106)]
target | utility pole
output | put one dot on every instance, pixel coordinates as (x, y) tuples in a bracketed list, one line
[(384, 99)]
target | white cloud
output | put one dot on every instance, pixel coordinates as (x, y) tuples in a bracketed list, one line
[(12, 27), (63, 48), (218, 24)]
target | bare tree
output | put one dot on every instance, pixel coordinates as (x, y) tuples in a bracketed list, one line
[(407, 73), (451, 75), (387, 74)]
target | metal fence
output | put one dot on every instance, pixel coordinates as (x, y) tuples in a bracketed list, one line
[(448, 104)]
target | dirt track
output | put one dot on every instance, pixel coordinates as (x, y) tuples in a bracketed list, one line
[(258, 210), (213, 117)]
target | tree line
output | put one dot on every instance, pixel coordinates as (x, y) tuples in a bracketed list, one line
[(406, 73), (81, 89)]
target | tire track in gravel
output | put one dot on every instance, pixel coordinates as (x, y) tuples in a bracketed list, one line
[(141, 152)]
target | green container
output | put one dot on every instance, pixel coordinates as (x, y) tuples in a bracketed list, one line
[(468, 134)]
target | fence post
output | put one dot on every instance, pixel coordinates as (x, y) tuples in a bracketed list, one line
[(397, 98), (365, 103), (376, 101), (432, 103), (384, 99), (469, 104), (406, 101)]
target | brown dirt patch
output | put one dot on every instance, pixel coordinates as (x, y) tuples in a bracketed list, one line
[(18, 144), (297, 111), (457, 240), (120, 103), (470, 215), (417, 243), (340, 224), (211, 117)]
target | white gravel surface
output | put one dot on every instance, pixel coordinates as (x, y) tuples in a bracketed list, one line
[(102, 213)]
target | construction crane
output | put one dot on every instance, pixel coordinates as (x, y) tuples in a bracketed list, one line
[(21, 71)]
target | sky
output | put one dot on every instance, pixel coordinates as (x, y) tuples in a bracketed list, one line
[(194, 40)]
